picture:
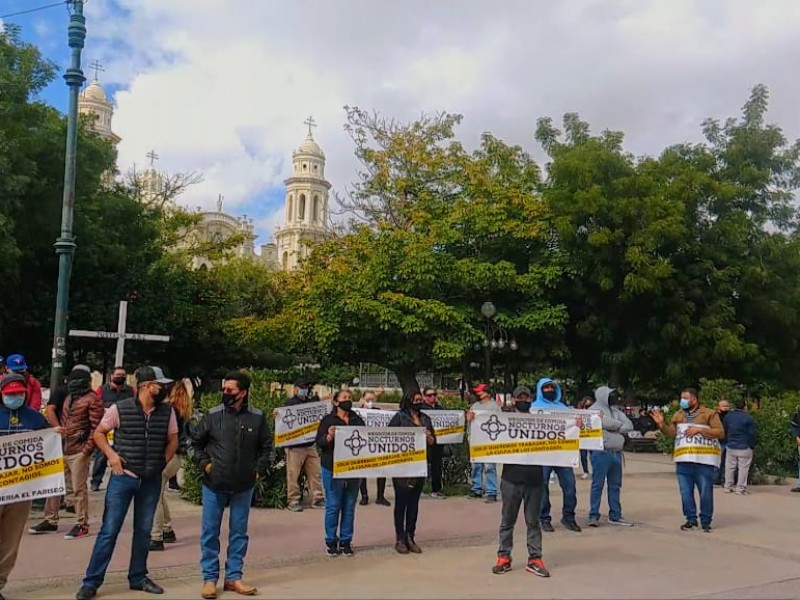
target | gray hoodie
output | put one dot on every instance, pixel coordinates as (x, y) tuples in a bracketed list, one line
[(615, 423)]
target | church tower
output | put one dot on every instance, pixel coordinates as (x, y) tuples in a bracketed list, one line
[(94, 103), (306, 205)]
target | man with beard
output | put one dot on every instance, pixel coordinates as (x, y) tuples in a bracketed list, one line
[(145, 439)]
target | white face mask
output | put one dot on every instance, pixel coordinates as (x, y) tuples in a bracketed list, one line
[(370, 403)]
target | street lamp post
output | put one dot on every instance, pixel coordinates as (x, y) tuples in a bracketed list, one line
[(65, 244), (496, 337)]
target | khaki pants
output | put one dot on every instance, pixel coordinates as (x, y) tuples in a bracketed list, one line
[(79, 474), (737, 460), (13, 519), (162, 521), (298, 459), (53, 503)]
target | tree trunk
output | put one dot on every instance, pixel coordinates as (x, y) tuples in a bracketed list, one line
[(407, 376)]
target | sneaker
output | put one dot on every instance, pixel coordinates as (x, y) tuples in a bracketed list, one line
[(383, 502), (332, 549), (593, 522), (43, 527), (491, 499), (474, 495), (572, 526), (169, 537), (503, 565), (689, 525), (706, 528), (79, 531), (547, 526), (585, 476), (728, 490), (795, 489), (86, 593), (318, 504), (295, 507), (622, 522), (156, 546), (438, 495), (536, 566), (346, 549)]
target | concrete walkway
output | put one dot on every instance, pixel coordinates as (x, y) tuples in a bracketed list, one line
[(752, 552)]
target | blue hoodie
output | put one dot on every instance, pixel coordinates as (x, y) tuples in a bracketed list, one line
[(541, 403)]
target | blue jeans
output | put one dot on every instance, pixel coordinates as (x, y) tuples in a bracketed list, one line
[(691, 475), (606, 467), (214, 504), (478, 469), (566, 478), (122, 489), (340, 507)]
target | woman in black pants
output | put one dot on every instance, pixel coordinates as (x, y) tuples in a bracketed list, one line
[(407, 490)]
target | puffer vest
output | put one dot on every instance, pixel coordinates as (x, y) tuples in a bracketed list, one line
[(142, 440)]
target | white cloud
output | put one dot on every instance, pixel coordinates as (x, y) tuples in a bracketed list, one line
[(223, 87)]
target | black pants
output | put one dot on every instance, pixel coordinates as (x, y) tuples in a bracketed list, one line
[(99, 467), (381, 488), (406, 505), (435, 454), (529, 496)]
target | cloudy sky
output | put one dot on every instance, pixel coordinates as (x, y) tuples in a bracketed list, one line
[(223, 86)]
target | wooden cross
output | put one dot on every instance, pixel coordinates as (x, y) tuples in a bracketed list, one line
[(152, 156), (311, 123), (120, 334), (98, 68)]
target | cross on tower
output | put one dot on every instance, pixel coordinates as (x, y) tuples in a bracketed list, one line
[(152, 156), (98, 68), (311, 123)]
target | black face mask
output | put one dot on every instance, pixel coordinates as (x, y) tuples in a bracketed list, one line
[(346, 405), (418, 406), (229, 399), (77, 387), (549, 395), (161, 395), (613, 398), (523, 405), (118, 380)]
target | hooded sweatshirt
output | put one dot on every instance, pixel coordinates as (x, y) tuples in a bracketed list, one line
[(541, 403), (615, 423)]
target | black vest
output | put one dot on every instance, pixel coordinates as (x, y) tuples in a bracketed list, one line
[(112, 395), (140, 440)]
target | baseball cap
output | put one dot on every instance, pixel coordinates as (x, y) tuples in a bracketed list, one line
[(13, 383), (16, 363), (150, 373), (480, 388), (521, 390)]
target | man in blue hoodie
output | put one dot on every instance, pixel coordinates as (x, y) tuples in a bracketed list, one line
[(548, 398), (607, 463)]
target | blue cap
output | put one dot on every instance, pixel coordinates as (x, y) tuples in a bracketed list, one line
[(16, 363)]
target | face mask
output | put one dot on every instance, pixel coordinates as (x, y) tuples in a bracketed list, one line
[(549, 395), (613, 398), (118, 380), (418, 406), (370, 403), (229, 399), (160, 395), (346, 405), (13, 401), (684, 403), (302, 393), (77, 387), (523, 405)]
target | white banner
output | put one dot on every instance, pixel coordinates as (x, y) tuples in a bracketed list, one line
[(449, 425), (591, 428), (374, 417), (31, 466), (696, 448), (524, 439), (379, 452), (298, 424)]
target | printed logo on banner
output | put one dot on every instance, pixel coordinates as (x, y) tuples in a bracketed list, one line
[(289, 419), (356, 443), (298, 424), (382, 452), (494, 427)]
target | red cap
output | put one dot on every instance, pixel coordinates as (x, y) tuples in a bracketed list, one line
[(480, 388), (14, 387)]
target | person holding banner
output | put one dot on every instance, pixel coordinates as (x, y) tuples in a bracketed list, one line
[(340, 494), (303, 457), (694, 420), (436, 454), (407, 490), (584, 405), (367, 401), (548, 398), (15, 417), (607, 463), (484, 404)]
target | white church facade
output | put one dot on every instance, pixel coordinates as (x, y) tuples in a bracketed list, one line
[(306, 200)]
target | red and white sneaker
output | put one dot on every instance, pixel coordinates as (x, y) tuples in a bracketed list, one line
[(79, 531), (536, 566), (503, 565)]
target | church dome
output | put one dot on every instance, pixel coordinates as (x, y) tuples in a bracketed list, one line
[(94, 91), (309, 146)]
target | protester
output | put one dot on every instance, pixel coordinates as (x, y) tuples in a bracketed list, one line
[(16, 364), (548, 397), (607, 463), (740, 432), (484, 404), (340, 494), (303, 458), (367, 401), (584, 404), (795, 429), (436, 454), (521, 485), (704, 422), (723, 410), (110, 393), (80, 415), (407, 490), (145, 440), (15, 417), (181, 403), (231, 445)]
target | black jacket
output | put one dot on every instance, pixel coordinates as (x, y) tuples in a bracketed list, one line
[(403, 419), (237, 445), (326, 447)]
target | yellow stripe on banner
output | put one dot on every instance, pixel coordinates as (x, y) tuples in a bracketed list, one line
[(449, 430), (25, 474), (591, 433), (500, 449), (697, 450), (373, 462), (293, 435)]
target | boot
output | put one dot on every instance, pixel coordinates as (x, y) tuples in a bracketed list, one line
[(412, 545), (401, 546)]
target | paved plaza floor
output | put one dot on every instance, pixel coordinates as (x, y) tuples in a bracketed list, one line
[(753, 551)]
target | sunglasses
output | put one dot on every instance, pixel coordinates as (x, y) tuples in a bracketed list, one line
[(430, 395)]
